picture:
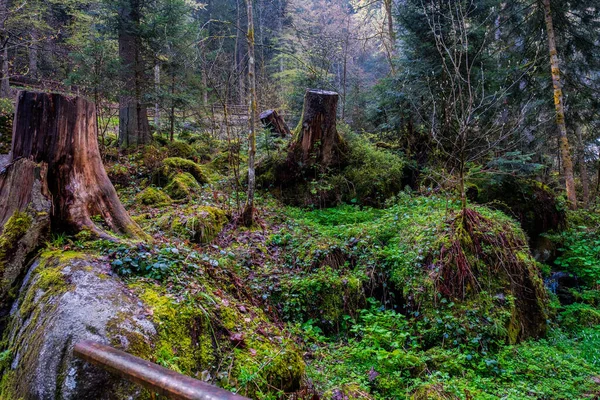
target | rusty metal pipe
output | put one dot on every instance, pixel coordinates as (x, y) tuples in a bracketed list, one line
[(161, 380)]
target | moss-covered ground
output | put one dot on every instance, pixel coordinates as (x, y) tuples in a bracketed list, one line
[(417, 299)]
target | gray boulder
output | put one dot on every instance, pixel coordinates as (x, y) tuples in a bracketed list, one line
[(67, 297)]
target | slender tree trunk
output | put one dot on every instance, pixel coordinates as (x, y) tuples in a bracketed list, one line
[(248, 213), (583, 167), (239, 56), (134, 128), (565, 151), (344, 75), (172, 127), (4, 84), (157, 93), (33, 53)]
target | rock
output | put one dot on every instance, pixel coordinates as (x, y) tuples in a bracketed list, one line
[(182, 186), (561, 283), (199, 224), (152, 196), (67, 297), (172, 166)]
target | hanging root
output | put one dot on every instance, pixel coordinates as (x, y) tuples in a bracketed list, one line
[(477, 248)]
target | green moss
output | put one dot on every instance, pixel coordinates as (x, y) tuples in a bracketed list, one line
[(199, 224), (16, 226), (175, 165), (432, 392), (184, 339), (180, 149), (7, 386), (153, 197), (324, 296), (126, 339), (182, 186)]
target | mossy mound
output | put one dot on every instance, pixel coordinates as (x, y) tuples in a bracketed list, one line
[(212, 335), (152, 196), (432, 392), (172, 166), (324, 296), (182, 186), (457, 275), (481, 260), (369, 176), (532, 203), (181, 149), (199, 224)]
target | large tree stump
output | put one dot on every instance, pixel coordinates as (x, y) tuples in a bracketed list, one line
[(275, 123), (59, 133), (317, 141)]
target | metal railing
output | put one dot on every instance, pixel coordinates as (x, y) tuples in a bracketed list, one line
[(153, 377)]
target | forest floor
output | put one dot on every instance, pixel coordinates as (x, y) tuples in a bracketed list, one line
[(319, 278)]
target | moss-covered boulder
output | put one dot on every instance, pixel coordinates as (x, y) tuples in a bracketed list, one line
[(199, 224), (67, 297), (152, 196), (181, 149), (182, 186), (459, 276), (173, 166)]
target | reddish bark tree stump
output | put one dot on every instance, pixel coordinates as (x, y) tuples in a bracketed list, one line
[(317, 141), (275, 123), (59, 134)]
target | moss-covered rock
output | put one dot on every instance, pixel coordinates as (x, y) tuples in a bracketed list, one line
[(199, 224), (173, 166), (182, 186), (67, 297), (152, 196), (180, 149)]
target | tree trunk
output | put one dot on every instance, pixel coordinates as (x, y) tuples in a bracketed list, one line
[(583, 167), (275, 123), (317, 140), (560, 112), (248, 213), (134, 128), (60, 133), (157, 94), (4, 83), (24, 226)]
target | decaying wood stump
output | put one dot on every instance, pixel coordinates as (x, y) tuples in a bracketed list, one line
[(275, 123), (59, 134), (317, 141)]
